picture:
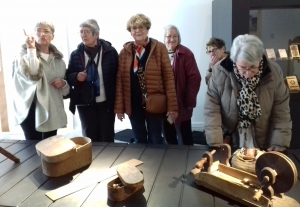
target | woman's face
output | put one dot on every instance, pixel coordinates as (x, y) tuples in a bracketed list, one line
[(44, 35), (247, 70), (139, 33), (213, 51), (171, 39), (88, 38)]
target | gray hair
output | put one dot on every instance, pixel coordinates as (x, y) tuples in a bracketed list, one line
[(46, 24), (247, 48), (169, 27), (92, 25)]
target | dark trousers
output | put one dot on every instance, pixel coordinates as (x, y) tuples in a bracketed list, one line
[(146, 127), (185, 133), (97, 122), (28, 126)]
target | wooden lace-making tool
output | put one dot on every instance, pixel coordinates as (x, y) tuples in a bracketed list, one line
[(275, 175), (9, 155)]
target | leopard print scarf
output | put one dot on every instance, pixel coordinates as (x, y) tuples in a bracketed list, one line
[(247, 100)]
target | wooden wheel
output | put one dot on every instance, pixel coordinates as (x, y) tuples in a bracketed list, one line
[(286, 171)]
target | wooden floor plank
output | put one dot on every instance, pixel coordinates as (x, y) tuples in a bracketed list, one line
[(171, 174), (192, 197), (39, 199), (102, 162), (98, 196), (8, 165), (24, 188), (9, 180)]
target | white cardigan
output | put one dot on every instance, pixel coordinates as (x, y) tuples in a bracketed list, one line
[(33, 75)]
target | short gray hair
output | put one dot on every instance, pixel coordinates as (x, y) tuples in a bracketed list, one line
[(169, 27), (92, 25), (46, 24), (247, 48)]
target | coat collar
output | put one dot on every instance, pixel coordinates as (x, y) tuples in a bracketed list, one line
[(128, 45), (52, 49)]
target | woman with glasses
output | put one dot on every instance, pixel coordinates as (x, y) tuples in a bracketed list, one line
[(39, 85), (216, 50), (248, 98), (144, 70), (92, 73), (187, 81)]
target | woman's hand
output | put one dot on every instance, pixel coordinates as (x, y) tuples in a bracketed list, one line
[(58, 83), (81, 76), (29, 41), (173, 115), (121, 117), (277, 149), (213, 61)]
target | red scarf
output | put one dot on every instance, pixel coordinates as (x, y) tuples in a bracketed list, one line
[(139, 51)]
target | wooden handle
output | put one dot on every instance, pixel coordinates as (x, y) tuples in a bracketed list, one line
[(257, 195), (200, 163), (9, 155)]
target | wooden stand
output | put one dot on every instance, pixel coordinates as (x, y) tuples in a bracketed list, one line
[(276, 175), (60, 155), (9, 155)]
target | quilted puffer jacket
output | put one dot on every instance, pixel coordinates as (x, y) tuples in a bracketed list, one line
[(159, 77)]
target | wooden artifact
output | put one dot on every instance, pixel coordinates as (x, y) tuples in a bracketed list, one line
[(9, 155), (60, 155), (130, 180), (79, 184), (275, 175)]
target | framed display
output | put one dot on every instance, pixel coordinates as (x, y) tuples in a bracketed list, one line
[(292, 83), (294, 51), (282, 53), (271, 53)]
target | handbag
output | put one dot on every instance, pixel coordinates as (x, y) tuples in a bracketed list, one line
[(155, 103)]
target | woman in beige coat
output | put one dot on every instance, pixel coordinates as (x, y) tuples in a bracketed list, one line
[(150, 57), (248, 98)]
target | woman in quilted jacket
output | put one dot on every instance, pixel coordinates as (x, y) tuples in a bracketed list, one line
[(149, 58)]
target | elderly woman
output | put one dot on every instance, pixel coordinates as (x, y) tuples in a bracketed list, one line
[(144, 70), (216, 50), (247, 96), (39, 85), (187, 81), (92, 73)]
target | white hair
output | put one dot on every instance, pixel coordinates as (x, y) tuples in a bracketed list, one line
[(247, 48)]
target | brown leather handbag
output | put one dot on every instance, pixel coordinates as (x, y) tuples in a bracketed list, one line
[(155, 103)]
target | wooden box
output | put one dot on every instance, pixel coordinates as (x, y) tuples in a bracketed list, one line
[(130, 180), (60, 155)]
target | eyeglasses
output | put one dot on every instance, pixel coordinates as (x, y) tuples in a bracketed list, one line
[(212, 51), (45, 32), (85, 32), (243, 70), (170, 37), (135, 28)]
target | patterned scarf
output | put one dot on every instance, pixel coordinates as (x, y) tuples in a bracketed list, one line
[(93, 78), (139, 51), (249, 107)]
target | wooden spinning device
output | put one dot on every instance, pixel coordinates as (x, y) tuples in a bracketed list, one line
[(275, 175)]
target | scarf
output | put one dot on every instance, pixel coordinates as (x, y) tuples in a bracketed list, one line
[(139, 51), (93, 78), (247, 100)]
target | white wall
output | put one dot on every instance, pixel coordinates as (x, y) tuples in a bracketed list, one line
[(192, 17)]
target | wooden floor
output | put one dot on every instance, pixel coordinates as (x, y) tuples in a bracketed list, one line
[(166, 174)]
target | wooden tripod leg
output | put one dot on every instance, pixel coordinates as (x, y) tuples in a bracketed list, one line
[(9, 155)]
